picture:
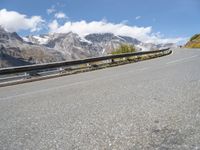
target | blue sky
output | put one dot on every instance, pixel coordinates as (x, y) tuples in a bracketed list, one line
[(172, 18)]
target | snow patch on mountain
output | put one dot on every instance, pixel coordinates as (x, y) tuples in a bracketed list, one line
[(40, 39)]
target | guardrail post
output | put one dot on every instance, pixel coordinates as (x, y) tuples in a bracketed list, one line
[(26, 75), (61, 70)]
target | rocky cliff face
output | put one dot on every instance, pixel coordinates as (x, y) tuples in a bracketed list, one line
[(109, 42), (14, 51), (72, 46)]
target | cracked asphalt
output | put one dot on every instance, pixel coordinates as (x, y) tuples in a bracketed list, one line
[(154, 104)]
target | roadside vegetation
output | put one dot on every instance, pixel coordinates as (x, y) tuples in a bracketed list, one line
[(194, 42), (124, 48)]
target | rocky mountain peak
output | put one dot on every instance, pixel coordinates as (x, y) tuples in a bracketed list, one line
[(62, 46), (100, 37)]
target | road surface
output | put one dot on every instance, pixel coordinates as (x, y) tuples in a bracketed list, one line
[(154, 104)]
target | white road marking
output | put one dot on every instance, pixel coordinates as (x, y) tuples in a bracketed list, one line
[(181, 60)]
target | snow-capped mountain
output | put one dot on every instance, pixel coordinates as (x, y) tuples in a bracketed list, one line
[(40, 40), (73, 45), (92, 44), (69, 44), (109, 42), (15, 50), (152, 46)]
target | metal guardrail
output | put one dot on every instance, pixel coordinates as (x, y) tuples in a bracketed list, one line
[(37, 67)]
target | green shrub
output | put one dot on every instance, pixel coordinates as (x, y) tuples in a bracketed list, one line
[(194, 42), (124, 48), (194, 37)]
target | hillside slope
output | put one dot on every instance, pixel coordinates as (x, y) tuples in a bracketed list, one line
[(194, 42)]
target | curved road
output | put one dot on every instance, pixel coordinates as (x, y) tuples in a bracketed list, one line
[(153, 104)]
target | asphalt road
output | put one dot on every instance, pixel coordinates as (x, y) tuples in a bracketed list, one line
[(153, 104)]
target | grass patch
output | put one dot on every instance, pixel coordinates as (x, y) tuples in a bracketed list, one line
[(124, 48), (194, 42)]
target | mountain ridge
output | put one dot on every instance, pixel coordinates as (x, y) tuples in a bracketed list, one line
[(55, 47)]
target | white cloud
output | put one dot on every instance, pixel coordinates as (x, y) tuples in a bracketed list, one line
[(83, 28), (14, 21), (51, 10), (53, 25), (60, 15), (138, 17)]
